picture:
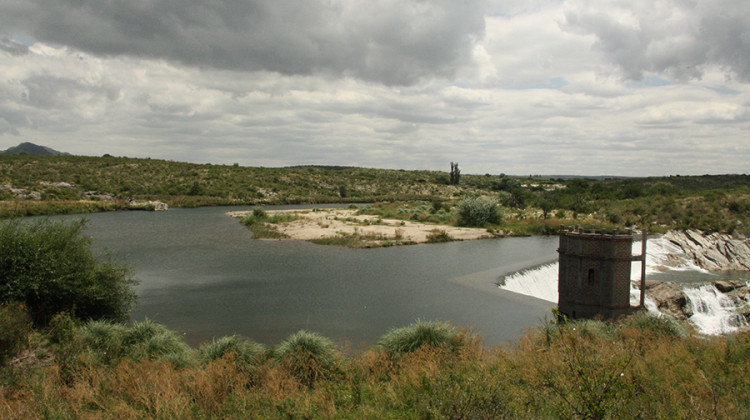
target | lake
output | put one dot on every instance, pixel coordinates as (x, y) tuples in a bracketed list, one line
[(203, 275)]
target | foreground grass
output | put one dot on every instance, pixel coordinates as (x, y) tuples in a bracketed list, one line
[(641, 367)]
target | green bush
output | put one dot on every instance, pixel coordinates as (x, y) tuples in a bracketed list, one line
[(15, 327), (245, 350), (50, 268), (307, 356), (407, 339), (246, 354), (110, 342), (478, 211), (438, 236)]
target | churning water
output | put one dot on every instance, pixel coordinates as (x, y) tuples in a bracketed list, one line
[(713, 312)]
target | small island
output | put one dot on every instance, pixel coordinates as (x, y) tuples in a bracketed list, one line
[(349, 227)]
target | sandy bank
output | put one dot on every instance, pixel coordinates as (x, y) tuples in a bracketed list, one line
[(326, 223)]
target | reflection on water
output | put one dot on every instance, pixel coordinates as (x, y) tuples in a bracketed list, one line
[(203, 275)]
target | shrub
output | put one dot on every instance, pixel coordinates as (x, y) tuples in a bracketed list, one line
[(110, 342), (259, 213), (247, 353), (67, 346), (438, 236), (661, 326), (15, 327), (104, 340), (407, 339), (307, 355), (49, 267), (62, 328), (478, 211)]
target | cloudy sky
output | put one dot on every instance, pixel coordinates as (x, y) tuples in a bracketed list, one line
[(632, 87)]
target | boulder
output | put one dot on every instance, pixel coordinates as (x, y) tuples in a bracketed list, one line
[(727, 286), (670, 299)]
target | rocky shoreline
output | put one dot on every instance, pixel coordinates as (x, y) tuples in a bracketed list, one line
[(670, 297), (713, 252)]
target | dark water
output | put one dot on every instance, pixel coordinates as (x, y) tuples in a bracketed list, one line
[(202, 274)]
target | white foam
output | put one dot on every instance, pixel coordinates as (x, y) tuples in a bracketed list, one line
[(713, 312), (539, 282)]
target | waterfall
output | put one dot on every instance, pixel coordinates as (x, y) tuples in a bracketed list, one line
[(713, 312), (541, 281)]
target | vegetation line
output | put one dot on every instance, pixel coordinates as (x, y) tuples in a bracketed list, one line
[(33, 185)]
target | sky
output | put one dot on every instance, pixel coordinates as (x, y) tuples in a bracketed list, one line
[(568, 87)]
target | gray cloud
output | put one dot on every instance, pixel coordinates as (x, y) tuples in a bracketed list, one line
[(392, 42), (267, 84), (13, 47), (678, 38)]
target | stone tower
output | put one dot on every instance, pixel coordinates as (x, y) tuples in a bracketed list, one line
[(594, 276)]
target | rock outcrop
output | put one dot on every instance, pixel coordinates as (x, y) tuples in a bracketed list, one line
[(715, 251), (671, 299), (147, 205), (22, 193)]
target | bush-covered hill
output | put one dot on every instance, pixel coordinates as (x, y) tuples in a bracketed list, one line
[(64, 184)]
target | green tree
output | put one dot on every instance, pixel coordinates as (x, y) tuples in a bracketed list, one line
[(455, 174), (478, 211), (49, 267)]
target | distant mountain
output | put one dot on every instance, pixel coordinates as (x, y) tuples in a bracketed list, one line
[(32, 149)]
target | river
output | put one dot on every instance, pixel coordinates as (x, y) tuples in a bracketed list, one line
[(203, 275)]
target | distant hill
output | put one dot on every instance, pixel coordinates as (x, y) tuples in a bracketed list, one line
[(32, 149)]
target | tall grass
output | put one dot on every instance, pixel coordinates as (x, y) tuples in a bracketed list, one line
[(245, 355), (308, 356), (640, 367), (108, 343), (14, 330), (407, 339)]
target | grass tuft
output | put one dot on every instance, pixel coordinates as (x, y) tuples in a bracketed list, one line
[(308, 356), (408, 339), (246, 354)]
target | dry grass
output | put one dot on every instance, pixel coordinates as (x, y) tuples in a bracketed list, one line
[(583, 370)]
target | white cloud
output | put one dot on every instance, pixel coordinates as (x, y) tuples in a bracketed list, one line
[(542, 87)]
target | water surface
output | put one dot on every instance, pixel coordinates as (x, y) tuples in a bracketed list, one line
[(203, 275)]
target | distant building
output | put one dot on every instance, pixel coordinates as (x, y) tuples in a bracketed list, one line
[(594, 276)]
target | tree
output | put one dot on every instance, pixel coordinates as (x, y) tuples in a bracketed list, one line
[(455, 174), (478, 211), (49, 267), (546, 207)]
